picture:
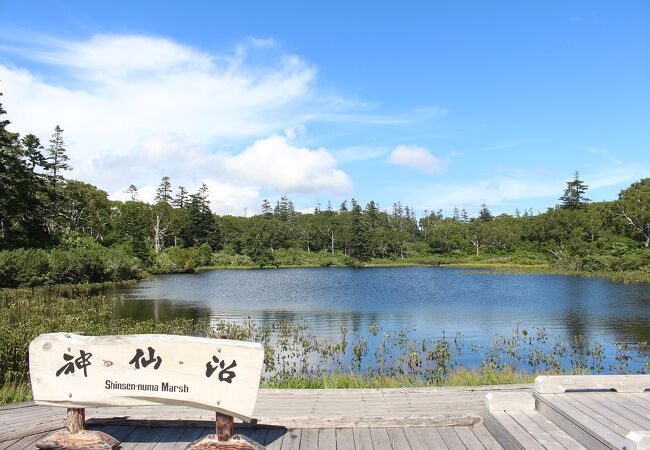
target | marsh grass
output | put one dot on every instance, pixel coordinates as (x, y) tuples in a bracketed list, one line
[(296, 358)]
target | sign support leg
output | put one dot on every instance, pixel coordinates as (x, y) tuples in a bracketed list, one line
[(76, 437), (224, 437)]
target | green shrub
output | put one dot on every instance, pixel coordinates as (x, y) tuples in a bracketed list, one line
[(23, 268)]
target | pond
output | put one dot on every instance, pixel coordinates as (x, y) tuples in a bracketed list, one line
[(425, 300)]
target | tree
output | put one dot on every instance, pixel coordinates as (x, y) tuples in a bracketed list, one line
[(164, 191), (201, 226), (23, 211), (484, 214), (133, 192), (266, 208), (180, 201), (634, 209), (57, 157), (359, 240), (573, 197)]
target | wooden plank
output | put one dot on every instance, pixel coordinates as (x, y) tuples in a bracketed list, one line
[(326, 438), (380, 439), (469, 438), (168, 438), (485, 437), (274, 438), (291, 440), (139, 439), (259, 435), (398, 438), (512, 429), (537, 432), (7, 443), (559, 384), (432, 438), (362, 439), (559, 434), (626, 409), (603, 414), (642, 400), (511, 401), (451, 438), (26, 442), (344, 439), (309, 439), (76, 371), (583, 428), (415, 438)]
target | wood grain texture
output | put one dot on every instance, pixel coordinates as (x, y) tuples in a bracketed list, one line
[(559, 384), (83, 371)]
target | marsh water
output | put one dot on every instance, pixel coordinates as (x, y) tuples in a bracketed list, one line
[(425, 300)]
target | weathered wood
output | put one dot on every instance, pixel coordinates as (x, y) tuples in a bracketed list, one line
[(398, 438), (415, 439), (485, 437), (538, 433), (510, 434), (89, 440), (362, 439), (579, 425), (469, 438), (432, 437), (291, 440), (225, 427), (83, 371), (511, 401), (344, 439), (559, 434), (451, 438), (559, 384), (213, 442), (76, 419), (637, 440), (380, 439)]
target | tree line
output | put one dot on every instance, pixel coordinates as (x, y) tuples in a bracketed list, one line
[(41, 209)]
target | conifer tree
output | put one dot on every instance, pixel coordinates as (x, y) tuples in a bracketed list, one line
[(359, 239), (574, 194), (484, 214), (266, 208), (164, 191), (57, 157), (180, 201)]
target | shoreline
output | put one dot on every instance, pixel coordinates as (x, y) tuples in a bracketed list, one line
[(626, 277)]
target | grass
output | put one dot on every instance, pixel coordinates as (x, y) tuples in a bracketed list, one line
[(21, 392), (15, 393), (458, 377)]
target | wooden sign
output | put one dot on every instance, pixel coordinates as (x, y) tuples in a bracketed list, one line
[(76, 371)]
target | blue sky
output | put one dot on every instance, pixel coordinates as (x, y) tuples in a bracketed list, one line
[(434, 105)]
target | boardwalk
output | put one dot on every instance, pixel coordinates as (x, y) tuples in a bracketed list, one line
[(433, 418), (517, 417)]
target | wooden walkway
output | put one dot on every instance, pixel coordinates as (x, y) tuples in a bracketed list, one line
[(514, 417), (432, 418), (583, 413), (164, 438)]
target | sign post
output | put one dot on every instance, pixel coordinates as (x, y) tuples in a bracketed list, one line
[(76, 372)]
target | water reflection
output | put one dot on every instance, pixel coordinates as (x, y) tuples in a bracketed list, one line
[(425, 299)]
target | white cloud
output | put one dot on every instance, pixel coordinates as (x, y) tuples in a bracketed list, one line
[(418, 158), (275, 163), (135, 108)]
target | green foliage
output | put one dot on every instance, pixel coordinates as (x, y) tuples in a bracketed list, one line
[(22, 267), (26, 314), (39, 208), (178, 259), (72, 263)]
